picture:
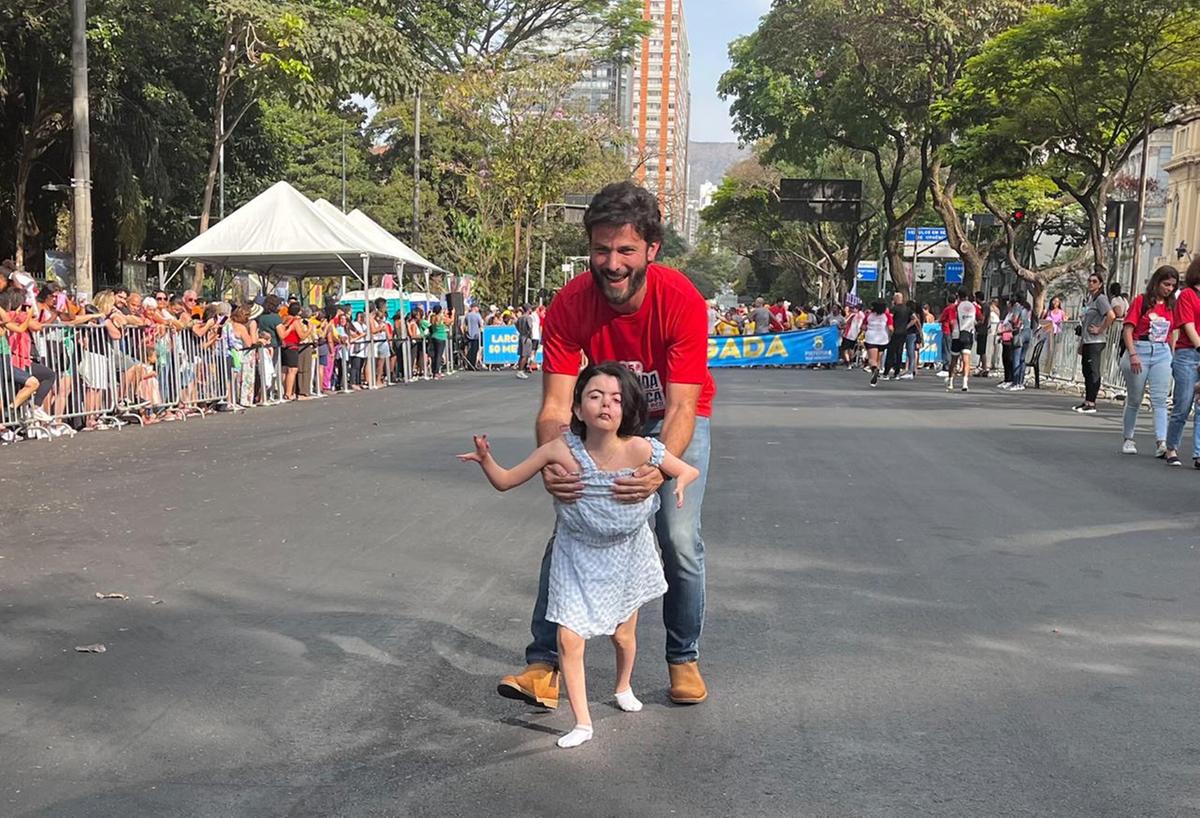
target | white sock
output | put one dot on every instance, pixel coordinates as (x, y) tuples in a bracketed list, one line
[(581, 733), (627, 701)]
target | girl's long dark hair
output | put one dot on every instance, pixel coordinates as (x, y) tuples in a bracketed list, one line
[(633, 400), (1160, 275)]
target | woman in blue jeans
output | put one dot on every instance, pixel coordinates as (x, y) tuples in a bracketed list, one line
[(1147, 332), (1184, 368)]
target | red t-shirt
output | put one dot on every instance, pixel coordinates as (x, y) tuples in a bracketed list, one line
[(665, 341), (779, 319), (1187, 311), (20, 343), (1159, 315), (948, 317)]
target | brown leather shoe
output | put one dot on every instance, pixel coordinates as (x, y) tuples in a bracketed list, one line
[(537, 685), (687, 686)]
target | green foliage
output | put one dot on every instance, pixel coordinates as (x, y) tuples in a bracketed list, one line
[(458, 34), (1066, 96), (710, 268), (1072, 87)]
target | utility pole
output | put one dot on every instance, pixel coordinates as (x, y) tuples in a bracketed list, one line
[(81, 146), (416, 210), (1141, 217), (1116, 271), (221, 166), (343, 166)]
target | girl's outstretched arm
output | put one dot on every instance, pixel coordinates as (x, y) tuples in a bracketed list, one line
[(555, 451), (683, 473)]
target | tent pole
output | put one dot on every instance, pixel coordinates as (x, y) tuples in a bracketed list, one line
[(426, 362), (402, 330), (162, 274), (366, 279)]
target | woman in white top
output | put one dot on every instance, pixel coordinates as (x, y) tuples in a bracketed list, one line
[(877, 336)]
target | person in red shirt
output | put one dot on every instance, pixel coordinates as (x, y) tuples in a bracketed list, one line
[(653, 320), (947, 319), (1185, 364), (1147, 333), (780, 320)]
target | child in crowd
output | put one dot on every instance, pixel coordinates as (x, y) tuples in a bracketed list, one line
[(605, 565)]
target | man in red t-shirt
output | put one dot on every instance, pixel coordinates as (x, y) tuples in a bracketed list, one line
[(653, 320), (780, 320)]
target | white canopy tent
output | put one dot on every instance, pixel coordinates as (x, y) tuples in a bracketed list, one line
[(369, 227), (281, 233)]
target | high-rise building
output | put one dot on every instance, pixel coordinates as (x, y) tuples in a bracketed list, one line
[(604, 89), (661, 109)]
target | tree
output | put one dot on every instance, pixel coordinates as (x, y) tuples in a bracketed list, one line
[(794, 259), (310, 53), (35, 93), (457, 34), (862, 75), (1068, 94), (710, 268), (535, 142)]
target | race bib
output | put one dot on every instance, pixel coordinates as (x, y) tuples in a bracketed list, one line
[(652, 386), (1160, 328)]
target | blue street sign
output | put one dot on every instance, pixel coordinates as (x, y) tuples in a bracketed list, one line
[(868, 271), (954, 272), (925, 235)]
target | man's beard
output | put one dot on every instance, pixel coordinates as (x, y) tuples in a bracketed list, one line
[(634, 283)]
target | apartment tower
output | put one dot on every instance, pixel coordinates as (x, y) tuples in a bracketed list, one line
[(661, 110)]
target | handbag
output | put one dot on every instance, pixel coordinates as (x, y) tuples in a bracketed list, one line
[(1006, 336)]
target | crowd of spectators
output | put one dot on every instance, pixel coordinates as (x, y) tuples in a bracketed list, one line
[(67, 365), (760, 319)]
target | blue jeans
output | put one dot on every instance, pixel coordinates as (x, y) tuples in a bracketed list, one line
[(1184, 369), (1018, 365), (1156, 372), (910, 351), (945, 350), (682, 547)]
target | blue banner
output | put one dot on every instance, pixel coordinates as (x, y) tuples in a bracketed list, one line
[(954, 272), (931, 344), (500, 346), (868, 271), (801, 348)]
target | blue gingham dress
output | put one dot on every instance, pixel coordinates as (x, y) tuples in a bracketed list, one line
[(605, 564)]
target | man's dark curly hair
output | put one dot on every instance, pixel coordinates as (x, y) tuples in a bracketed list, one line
[(622, 203)]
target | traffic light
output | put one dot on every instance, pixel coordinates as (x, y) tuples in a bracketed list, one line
[(1017, 216)]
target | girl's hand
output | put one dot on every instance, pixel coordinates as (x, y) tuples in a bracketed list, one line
[(682, 482), (1135, 364), (483, 450)]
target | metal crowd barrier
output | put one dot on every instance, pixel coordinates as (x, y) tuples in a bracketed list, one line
[(1065, 361), (92, 376), (101, 378)]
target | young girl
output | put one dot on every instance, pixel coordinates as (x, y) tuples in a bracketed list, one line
[(605, 565), (877, 336)]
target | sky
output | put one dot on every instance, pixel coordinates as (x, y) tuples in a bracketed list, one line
[(711, 25)]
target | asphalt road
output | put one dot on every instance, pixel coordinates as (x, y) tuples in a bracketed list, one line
[(920, 603)]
